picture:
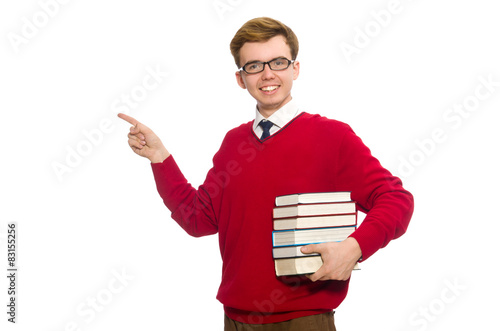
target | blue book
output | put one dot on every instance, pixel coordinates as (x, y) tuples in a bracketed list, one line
[(311, 236)]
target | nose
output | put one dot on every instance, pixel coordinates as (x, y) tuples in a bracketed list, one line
[(267, 73)]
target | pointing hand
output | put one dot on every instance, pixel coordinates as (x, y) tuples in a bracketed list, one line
[(144, 141)]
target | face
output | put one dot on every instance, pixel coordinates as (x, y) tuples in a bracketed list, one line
[(270, 88)]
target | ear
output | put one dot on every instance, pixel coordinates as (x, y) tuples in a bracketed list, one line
[(296, 70), (240, 80)]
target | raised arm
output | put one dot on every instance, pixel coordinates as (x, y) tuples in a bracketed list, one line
[(190, 208), (144, 141)]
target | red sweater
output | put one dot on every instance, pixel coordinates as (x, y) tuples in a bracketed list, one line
[(310, 154)]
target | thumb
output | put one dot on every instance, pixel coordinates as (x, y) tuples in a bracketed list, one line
[(135, 129), (140, 130)]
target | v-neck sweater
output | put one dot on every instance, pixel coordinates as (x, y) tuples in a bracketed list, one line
[(310, 154)]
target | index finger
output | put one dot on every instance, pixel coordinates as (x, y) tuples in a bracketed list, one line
[(129, 119)]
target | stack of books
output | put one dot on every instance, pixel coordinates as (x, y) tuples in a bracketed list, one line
[(309, 218)]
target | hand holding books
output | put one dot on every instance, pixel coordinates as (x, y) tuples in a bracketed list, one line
[(339, 259)]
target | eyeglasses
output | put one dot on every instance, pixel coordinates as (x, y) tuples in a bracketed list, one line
[(280, 63)]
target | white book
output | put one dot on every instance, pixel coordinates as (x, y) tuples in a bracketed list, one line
[(289, 251), (316, 209), (311, 236), (322, 221), (321, 197), (300, 266)]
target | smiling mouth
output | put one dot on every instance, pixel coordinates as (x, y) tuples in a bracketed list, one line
[(269, 88)]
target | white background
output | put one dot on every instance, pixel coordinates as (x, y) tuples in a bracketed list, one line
[(103, 216)]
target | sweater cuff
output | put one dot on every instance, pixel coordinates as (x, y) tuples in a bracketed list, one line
[(169, 179), (370, 240), (160, 167), (168, 169)]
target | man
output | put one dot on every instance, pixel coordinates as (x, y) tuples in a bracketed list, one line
[(283, 151)]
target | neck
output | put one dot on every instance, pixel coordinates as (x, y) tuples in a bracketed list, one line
[(271, 109)]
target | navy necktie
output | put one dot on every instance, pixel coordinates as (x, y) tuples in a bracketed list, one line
[(265, 125)]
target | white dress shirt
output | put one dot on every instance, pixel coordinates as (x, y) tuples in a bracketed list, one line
[(280, 118)]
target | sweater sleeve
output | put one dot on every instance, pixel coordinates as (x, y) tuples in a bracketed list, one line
[(377, 192), (191, 208)]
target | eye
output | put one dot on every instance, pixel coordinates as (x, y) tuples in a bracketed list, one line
[(280, 64), (253, 67)]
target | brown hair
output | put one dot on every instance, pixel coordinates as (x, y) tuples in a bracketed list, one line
[(261, 30)]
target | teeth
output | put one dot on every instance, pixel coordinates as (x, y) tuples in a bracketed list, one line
[(269, 88)]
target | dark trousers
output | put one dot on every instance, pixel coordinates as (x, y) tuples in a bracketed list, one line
[(319, 322)]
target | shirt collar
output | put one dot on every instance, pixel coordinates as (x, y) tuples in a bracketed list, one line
[(281, 117)]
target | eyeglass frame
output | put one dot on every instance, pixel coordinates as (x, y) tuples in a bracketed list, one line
[(264, 65)]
